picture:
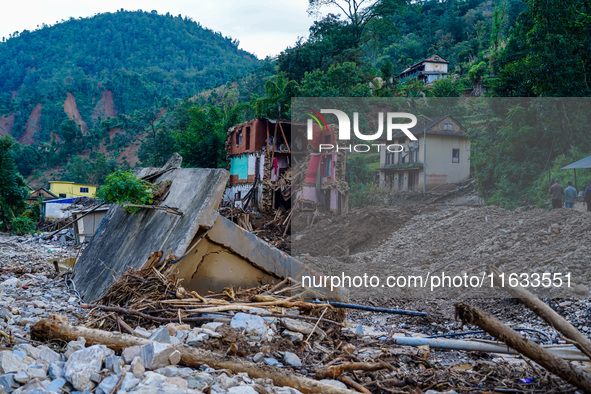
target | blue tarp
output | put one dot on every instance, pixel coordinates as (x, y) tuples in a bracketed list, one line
[(70, 200)]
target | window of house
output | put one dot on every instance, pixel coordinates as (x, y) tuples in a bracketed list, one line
[(62, 195), (327, 166), (239, 138), (455, 155), (83, 190), (248, 138), (390, 158), (448, 126)]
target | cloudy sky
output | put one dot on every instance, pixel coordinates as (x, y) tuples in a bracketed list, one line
[(263, 27)]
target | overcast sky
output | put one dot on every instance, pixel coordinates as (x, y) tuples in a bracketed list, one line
[(263, 27)]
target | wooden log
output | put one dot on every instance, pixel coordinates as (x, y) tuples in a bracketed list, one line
[(530, 349), (355, 385), (190, 356), (541, 309), (335, 371)]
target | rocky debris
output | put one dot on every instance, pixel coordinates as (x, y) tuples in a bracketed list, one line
[(251, 323), (160, 335), (292, 359), (98, 368), (10, 362), (156, 355), (83, 363)]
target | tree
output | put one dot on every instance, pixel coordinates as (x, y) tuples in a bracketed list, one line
[(202, 143), (155, 151), (547, 54), (27, 158), (447, 87), (122, 187), (277, 100), (357, 12), (12, 185), (341, 80), (331, 41)]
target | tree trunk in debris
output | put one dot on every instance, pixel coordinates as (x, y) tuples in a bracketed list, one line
[(541, 309), (190, 356), (530, 349)]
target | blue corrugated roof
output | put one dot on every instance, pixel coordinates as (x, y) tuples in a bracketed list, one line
[(70, 200)]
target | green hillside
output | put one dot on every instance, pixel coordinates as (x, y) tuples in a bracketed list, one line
[(141, 59)]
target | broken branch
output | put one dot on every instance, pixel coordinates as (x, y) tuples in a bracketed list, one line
[(334, 371), (545, 312), (143, 315), (530, 349)]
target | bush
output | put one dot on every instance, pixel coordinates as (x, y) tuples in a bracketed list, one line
[(367, 195), (22, 225), (122, 187)]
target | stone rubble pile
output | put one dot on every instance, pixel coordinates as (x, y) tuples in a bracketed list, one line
[(151, 368)]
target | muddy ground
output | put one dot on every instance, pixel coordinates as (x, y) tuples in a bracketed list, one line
[(454, 240)]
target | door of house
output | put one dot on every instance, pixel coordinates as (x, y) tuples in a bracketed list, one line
[(413, 180), (400, 181)]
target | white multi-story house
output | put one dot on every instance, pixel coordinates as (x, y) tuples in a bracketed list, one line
[(447, 158)]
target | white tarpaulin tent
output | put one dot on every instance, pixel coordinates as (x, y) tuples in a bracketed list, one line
[(583, 163)]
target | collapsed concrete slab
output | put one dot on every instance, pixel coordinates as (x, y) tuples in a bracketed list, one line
[(216, 252)]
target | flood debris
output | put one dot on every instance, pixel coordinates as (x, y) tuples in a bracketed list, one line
[(151, 332), (554, 364)]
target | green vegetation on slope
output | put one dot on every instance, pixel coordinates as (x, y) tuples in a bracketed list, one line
[(143, 58)]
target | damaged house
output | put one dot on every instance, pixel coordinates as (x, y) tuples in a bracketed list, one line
[(447, 156), (205, 250), (273, 165)]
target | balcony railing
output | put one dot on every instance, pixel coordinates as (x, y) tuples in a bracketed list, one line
[(400, 167)]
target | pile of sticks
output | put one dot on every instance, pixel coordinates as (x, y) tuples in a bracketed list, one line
[(152, 295)]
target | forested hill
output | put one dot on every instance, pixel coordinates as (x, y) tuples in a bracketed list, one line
[(140, 59)]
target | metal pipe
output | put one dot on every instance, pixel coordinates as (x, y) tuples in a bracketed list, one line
[(458, 334), (424, 156), (566, 352), (370, 308)]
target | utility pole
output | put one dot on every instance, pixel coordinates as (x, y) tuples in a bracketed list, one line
[(424, 156)]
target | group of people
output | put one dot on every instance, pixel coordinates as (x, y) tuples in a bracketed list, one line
[(558, 193)]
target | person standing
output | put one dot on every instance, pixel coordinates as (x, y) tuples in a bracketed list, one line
[(587, 197), (556, 193), (570, 193)]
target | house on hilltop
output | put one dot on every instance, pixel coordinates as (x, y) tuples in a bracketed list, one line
[(447, 156), (428, 70)]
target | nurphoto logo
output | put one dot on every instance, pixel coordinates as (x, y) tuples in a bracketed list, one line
[(392, 124)]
